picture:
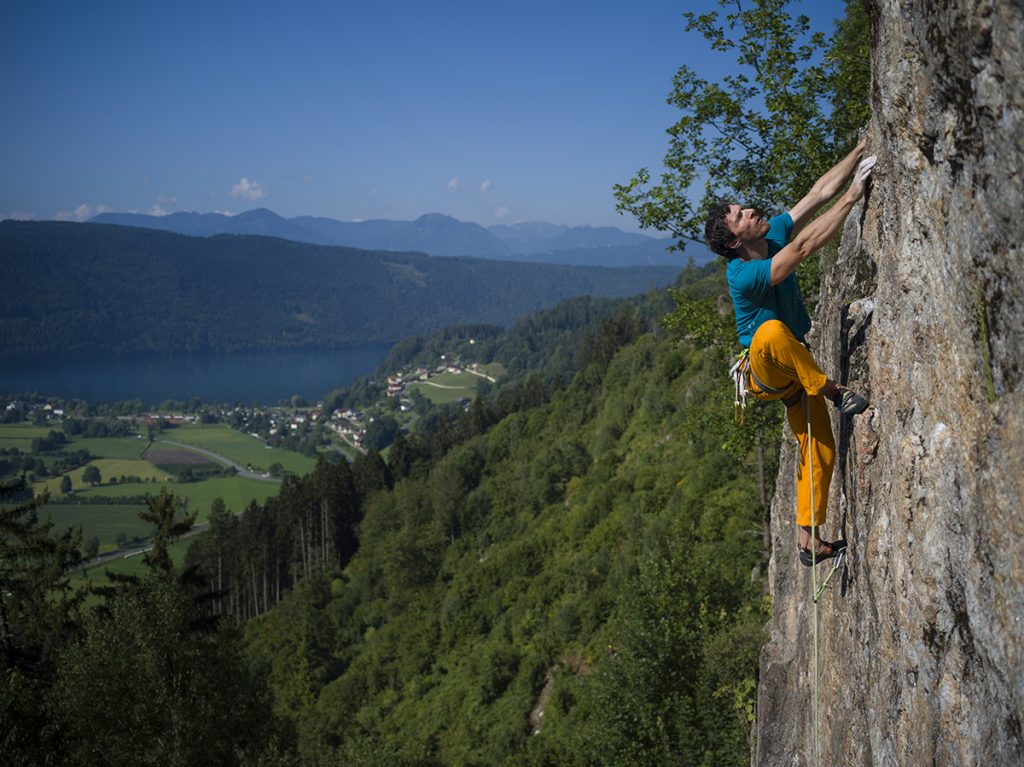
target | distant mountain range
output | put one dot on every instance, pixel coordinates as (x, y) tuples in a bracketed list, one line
[(434, 234)]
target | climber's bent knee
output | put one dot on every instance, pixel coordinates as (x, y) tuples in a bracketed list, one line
[(779, 359)]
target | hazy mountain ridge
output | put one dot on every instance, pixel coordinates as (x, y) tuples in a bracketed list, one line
[(433, 233)]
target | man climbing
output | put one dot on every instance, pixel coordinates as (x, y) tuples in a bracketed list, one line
[(772, 321)]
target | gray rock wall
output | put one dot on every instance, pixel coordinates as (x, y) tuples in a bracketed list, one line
[(922, 633)]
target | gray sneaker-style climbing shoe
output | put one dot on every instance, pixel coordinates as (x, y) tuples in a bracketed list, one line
[(825, 551), (849, 402)]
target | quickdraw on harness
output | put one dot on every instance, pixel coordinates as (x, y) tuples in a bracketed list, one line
[(742, 373), (738, 373)]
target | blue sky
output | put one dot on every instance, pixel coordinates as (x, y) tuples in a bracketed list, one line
[(494, 113)]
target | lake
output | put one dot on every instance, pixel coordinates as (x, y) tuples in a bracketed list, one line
[(264, 376)]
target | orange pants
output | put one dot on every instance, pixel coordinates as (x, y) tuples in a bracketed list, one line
[(781, 362)]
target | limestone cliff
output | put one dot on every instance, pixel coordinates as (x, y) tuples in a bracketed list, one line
[(922, 633)]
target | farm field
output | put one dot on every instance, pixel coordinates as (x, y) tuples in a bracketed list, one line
[(494, 369), (131, 448), (109, 468), (104, 521), (240, 448), (236, 492), (133, 456), (134, 565), (447, 387), (164, 455), (20, 435)]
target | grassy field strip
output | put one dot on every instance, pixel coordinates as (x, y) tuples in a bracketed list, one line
[(106, 520), (131, 448), (109, 468), (103, 521), (239, 447), (447, 387), (133, 565), (115, 467), (236, 492), (21, 435), (493, 369)]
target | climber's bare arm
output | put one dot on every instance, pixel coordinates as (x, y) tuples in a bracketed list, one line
[(824, 189), (822, 229)]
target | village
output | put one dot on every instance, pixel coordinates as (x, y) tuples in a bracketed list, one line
[(449, 381), (292, 425)]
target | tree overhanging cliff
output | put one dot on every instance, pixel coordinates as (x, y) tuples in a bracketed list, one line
[(921, 637)]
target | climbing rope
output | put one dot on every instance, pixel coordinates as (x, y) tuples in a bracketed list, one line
[(814, 569)]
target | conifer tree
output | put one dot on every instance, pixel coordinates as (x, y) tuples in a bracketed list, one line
[(34, 592), (161, 512), (38, 614)]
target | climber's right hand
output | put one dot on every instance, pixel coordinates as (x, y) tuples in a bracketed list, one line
[(865, 168), (861, 175)]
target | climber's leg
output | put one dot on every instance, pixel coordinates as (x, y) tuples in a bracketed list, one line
[(778, 360), (823, 449)]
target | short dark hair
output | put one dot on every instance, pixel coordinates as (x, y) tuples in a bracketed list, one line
[(717, 233)]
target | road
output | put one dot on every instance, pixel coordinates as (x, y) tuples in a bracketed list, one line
[(131, 551)]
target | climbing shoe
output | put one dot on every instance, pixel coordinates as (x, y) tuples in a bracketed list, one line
[(849, 403), (825, 551)]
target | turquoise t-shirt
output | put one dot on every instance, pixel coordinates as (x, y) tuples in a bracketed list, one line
[(754, 298)]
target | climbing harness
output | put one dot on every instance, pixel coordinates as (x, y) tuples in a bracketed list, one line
[(742, 374)]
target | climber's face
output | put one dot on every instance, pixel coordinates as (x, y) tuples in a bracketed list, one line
[(747, 224)]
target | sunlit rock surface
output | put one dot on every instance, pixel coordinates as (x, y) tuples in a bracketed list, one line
[(922, 633)]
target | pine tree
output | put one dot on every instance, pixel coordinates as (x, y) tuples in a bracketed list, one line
[(161, 512), (34, 592), (38, 614)]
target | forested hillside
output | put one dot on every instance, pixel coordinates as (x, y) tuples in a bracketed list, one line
[(98, 288), (573, 582), (550, 343), (564, 574)]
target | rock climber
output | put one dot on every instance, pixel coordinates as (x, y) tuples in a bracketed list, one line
[(772, 321)]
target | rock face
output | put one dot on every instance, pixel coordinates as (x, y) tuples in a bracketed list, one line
[(922, 632)]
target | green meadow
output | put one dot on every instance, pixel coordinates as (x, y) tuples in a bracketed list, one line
[(240, 448), (110, 468), (130, 448), (104, 521), (236, 492), (448, 387), (494, 369), (20, 435), (131, 565)]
